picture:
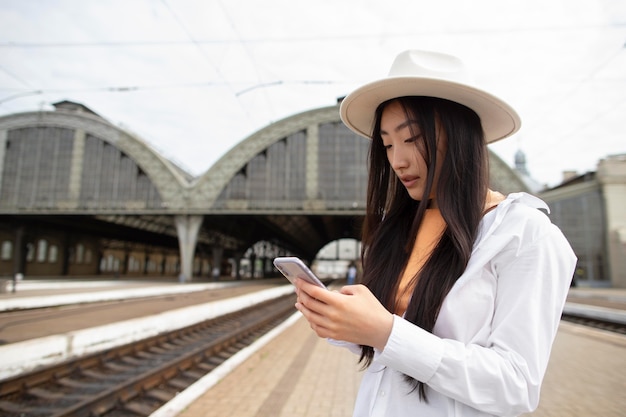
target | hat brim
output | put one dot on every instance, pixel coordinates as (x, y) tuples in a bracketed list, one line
[(499, 120)]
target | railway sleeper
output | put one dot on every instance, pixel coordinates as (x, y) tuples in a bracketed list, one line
[(179, 383), (206, 367), (21, 410), (73, 383), (118, 367), (160, 395), (194, 374), (96, 375), (141, 408), (50, 395)]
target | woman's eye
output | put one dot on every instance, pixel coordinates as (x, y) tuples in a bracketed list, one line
[(413, 139)]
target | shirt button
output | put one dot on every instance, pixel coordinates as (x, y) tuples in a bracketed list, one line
[(382, 393)]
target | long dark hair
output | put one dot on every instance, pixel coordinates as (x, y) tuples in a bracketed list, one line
[(393, 217)]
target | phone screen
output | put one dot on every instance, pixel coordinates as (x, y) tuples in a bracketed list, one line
[(292, 268)]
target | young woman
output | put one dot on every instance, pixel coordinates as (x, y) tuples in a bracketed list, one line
[(462, 288)]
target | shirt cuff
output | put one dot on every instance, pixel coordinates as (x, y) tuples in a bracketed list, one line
[(354, 348), (412, 350)]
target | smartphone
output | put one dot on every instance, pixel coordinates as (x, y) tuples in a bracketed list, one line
[(292, 268)]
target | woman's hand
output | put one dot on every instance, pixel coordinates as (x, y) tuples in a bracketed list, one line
[(352, 315)]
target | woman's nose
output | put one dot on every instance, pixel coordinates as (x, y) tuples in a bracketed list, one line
[(397, 159)]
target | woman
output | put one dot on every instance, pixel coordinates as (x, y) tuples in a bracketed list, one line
[(463, 288)]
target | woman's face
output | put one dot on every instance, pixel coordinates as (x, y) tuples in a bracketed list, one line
[(406, 150)]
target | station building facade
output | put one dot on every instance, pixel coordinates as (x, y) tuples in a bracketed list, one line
[(80, 197), (589, 209)]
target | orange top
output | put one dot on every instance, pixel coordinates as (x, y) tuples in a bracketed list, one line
[(428, 236)]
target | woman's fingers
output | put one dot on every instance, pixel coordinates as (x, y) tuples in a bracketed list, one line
[(309, 308), (313, 304), (353, 314)]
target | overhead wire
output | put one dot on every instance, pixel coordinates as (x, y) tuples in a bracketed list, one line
[(250, 57), (567, 98), (113, 89), (125, 89), (15, 77), (317, 38), (204, 55), (261, 84)]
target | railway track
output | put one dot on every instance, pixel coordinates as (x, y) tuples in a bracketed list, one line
[(596, 323), (599, 313), (136, 379)]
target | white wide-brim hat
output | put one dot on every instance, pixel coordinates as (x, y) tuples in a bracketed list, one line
[(432, 74)]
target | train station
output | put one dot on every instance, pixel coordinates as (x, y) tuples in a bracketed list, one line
[(105, 242), (82, 197)]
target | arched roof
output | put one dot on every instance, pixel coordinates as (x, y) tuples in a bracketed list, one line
[(303, 181), (208, 187), (168, 180), (211, 183), (299, 182)]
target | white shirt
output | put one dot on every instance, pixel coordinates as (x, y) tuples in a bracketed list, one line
[(491, 342)]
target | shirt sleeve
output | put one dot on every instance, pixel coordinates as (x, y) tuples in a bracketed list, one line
[(504, 375), (352, 347)]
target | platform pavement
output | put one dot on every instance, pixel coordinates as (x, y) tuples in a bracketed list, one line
[(586, 375), (300, 375), (79, 289), (296, 374), (47, 293)]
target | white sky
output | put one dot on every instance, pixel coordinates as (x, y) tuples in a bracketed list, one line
[(195, 77)]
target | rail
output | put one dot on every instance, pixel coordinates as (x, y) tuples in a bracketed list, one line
[(136, 379), (609, 319)]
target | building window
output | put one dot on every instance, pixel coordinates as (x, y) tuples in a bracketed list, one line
[(134, 265), (110, 263), (30, 252), (88, 256), (7, 250), (80, 253), (42, 250), (53, 254)]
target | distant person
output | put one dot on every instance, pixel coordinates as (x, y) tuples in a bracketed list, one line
[(463, 287), (351, 273)]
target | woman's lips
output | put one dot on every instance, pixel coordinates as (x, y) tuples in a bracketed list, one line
[(409, 180)]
